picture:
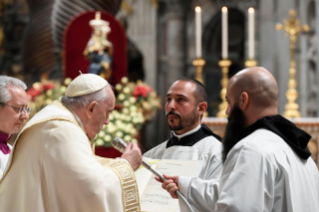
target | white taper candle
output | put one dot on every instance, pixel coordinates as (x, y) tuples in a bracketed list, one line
[(198, 31), (224, 32), (251, 33)]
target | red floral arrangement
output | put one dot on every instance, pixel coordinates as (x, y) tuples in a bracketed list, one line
[(140, 90), (140, 95), (38, 88)]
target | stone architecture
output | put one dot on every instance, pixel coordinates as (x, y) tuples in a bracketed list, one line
[(163, 31), (175, 47)]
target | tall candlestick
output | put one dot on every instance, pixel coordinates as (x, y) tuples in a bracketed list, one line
[(198, 21), (251, 33), (224, 33)]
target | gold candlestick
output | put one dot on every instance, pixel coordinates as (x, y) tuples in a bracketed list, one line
[(199, 63), (292, 27), (251, 63), (224, 64)]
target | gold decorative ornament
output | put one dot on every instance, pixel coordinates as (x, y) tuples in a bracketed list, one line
[(199, 63), (224, 64), (292, 27)]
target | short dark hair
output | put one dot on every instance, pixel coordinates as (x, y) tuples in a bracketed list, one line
[(200, 91)]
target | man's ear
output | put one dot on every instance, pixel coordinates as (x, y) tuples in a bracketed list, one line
[(91, 107), (243, 100), (202, 107)]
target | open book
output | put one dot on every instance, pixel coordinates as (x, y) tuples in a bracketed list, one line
[(152, 196)]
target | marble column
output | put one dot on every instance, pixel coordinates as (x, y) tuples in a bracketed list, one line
[(267, 36), (303, 71), (175, 45), (142, 31)]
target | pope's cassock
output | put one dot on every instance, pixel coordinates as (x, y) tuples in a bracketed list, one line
[(53, 168), (198, 144), (269, 169)]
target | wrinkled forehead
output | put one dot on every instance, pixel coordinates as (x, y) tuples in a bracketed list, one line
[(18, 95)]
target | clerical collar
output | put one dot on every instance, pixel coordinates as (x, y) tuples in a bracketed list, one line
[(4, 138), (75, 115), (191, 137), (296, 138), (187, 133)]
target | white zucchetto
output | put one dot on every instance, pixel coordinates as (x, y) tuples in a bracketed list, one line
[(85, 84)]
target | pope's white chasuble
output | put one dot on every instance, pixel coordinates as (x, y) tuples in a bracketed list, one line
[(52, 168)]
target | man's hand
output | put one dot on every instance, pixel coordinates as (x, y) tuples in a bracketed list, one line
[(170, 184), (133, 155)]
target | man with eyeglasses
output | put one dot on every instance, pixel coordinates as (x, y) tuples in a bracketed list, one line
[(13, 112)]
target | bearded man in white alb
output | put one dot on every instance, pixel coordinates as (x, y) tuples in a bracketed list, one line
[(186, 102), (267, 165), (53, 167), (13, 112)]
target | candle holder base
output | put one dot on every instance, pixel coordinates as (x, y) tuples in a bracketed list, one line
[(224, 64), (251, 63), (199, 63), (292, 94)]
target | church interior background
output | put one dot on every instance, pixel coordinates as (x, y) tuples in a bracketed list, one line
[(153, 42)]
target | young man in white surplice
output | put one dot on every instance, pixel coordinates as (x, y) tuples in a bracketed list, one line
[(186, 102)]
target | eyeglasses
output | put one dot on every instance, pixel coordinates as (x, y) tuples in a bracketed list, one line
[(20, 109)]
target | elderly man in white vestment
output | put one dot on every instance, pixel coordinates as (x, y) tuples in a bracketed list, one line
[(186, 102), (13, 112), (52, 166), (267, 165)]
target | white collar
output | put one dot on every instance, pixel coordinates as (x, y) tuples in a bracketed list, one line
[(75, 115), (187, 133)]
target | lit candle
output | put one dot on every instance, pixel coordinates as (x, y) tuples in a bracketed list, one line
[(224, 33), (251, 33), (198, 31)]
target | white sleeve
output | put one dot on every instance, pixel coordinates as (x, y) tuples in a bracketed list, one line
[(2, 165), (246, 185), (201, 194), (215, 169), (247, 182)]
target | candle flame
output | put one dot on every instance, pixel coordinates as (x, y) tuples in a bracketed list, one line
[(224, 9), (251, 10), (197, 9)]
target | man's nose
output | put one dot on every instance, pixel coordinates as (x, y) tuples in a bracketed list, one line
[(227, 110), (25, 114), (171, 105)]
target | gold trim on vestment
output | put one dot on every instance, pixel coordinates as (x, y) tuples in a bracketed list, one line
[(130, 194)]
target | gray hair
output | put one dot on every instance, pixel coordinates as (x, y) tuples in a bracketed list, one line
[(81, 101), (6, 83)]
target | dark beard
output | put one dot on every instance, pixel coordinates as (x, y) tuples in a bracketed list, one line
[(185, 122), (234, 128)]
